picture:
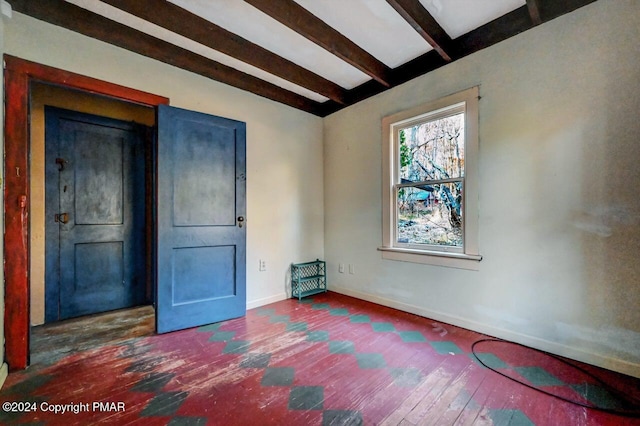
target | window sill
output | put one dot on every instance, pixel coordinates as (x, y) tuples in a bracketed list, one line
[(450, 260)]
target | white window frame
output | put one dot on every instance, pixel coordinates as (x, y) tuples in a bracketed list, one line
[(468, 256)]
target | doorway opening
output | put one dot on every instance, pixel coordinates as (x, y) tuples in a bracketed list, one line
[(20, 79), (90, 156), (195, 190)]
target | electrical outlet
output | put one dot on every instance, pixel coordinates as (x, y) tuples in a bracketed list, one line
[(351, 269), (341, 268), (262, 265)]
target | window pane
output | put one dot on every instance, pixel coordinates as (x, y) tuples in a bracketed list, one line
[(430, 214), (432, 150)]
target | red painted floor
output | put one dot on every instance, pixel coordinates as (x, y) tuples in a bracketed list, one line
[(330, 360)]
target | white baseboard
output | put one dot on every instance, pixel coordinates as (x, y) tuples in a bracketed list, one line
[(4, 372), (266, 300), (600, 360)]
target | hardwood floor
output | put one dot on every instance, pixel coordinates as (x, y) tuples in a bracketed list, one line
[(51, 342), (329, 360)]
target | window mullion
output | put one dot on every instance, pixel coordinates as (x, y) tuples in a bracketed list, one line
[(430, 182)]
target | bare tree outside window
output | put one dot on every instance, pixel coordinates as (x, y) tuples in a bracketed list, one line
[(429, 195)]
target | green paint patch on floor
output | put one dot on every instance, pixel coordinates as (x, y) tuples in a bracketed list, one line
[(598, 396), (538, 376), (444, 348), (306, 398), (412, 336), (278, 376), (359, 318), (297, 326), (210, 327), (490, 360), (382, 327), (510, 418), (222, 336), (164, 404)]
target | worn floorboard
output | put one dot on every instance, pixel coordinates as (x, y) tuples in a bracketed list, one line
[(329, 360), (51, 342)]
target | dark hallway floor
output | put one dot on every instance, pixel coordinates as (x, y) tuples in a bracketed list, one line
[(51, 342), (330, 360)]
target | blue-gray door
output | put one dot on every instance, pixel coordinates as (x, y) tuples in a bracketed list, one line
[(200, 213), (95, 230)]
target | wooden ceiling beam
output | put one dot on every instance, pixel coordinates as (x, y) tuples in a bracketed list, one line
[(493, 32), (551, 9), (64, 14), (500, 29), (421, 20), (300, 20), (74, 18), (189, 25), (534, 11)]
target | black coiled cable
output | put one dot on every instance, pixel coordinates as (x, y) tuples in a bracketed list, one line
[(635, 412)]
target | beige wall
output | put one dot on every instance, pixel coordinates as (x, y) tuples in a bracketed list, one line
[(559, 206), (284, 145), (42, 95)]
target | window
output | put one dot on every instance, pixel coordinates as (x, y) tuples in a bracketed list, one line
[(430, 191)]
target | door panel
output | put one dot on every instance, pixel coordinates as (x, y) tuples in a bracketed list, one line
[(202, 274), (203, 169), (201, 194), (98, 178), (109, 263), (95, 261)]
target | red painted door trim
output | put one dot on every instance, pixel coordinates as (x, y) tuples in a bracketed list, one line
[(18, 76)]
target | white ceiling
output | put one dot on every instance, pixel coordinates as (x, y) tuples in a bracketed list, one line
[(372, 24), (458, 17)]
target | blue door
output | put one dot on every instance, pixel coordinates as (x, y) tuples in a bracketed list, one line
[(201, 231), (94, 209)]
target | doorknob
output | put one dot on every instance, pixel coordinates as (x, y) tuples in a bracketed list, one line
[(240, 221), (62, 218)]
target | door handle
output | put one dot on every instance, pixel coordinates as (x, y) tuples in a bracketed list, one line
[(62, 218), (240, 221)]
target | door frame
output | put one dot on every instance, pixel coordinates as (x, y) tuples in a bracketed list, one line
[(18, 75)]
